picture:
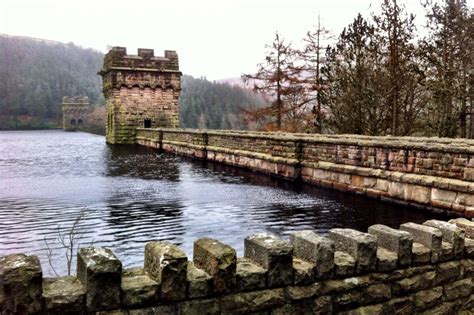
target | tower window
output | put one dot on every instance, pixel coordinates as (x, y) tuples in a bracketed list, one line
[(73, 122), (147, 123)]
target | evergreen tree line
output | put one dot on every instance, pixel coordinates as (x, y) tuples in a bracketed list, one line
[(378, 78), (214, 105), (35, 74)]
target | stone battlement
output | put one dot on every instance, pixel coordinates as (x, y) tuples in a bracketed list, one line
[(418, 268), (75, 100), (117, 58)]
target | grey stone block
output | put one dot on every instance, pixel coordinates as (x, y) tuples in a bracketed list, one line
[(249, 276), (219, 261), (427, 236), (344, 264), (451, 234), (100, 271), (199, 282), (138, 289), (167, 264), (274, 255), (361, 246), (466, 225), (20, 284), (63, 295), (394, 240), (316, 249)]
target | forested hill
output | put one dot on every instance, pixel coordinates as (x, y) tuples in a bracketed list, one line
[(213, 105), (35, 74)]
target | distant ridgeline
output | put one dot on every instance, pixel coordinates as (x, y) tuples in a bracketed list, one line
[(35, 74)]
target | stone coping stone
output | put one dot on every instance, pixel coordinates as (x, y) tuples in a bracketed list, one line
[(138, 289), (399, 242), (273, 254), (361, 246), (249, 275), (426, 235), (451, 234), (316, 249), (218, 260), (63, 294), (466, 225), (199, 282)]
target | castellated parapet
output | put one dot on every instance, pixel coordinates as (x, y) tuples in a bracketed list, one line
[(75, 110), (141, 91), (418, 269)]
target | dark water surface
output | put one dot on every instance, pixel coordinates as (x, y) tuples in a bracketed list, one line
[(130, 195)]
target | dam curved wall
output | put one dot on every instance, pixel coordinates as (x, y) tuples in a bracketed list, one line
[(433, 173)]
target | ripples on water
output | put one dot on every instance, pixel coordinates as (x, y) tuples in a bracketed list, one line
[(132, 195)]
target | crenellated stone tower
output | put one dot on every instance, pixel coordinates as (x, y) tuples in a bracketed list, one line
[(75, 110), (141, 91)]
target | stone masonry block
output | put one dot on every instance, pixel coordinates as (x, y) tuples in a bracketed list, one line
[(361, 246), (344, 264), (246, 303), (427, 236), (219, 261), (167, 264), (466, 225), (100, 271), (316, 249), (451, 234), (63, 295), (20, 284), (138, 289), (274, 255), (199, 282), (249, 276), (394, 240), (303, 271)]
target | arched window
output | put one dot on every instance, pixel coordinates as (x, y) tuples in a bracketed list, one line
[(79, 121), (73, 122)]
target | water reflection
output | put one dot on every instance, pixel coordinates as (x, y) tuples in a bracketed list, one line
[(131, 195)]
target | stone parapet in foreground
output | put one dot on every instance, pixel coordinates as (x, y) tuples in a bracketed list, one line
[(433, 173), (385, 271)]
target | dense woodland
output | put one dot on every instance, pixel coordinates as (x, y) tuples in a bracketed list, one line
[(378, 77), (35, 74)]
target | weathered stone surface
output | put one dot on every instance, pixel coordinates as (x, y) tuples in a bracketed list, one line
[(303, 292), (346, 300), (200, 307), (219, 261), (167, 264), (416, 283), (100, 271), (420, 254), (343, 285), (273, 254), (386, 260), (448, 272), (364, 310), (252, 301), (155, 310), (445, 309), (427, 236), (376, 293), (249, 276), (361, 246), (139, 290), (466, 225), (469, 247), (399, 242), (321, 305), (63, 295), (20, 284), (447, 252), (455, 290), (428, 298), (403, 305), (345, 264), (199, 282), (303, 271), (314, 248), (467, 267), (451, 234)]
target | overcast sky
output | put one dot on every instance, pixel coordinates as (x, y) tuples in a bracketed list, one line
[(214, 38)]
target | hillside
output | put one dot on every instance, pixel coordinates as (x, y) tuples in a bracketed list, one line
[(35, 74)]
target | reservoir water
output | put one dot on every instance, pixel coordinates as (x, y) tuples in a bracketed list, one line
[(127, 196)]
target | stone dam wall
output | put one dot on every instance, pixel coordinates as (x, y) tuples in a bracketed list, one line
[(433, 173), (417, 269)]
